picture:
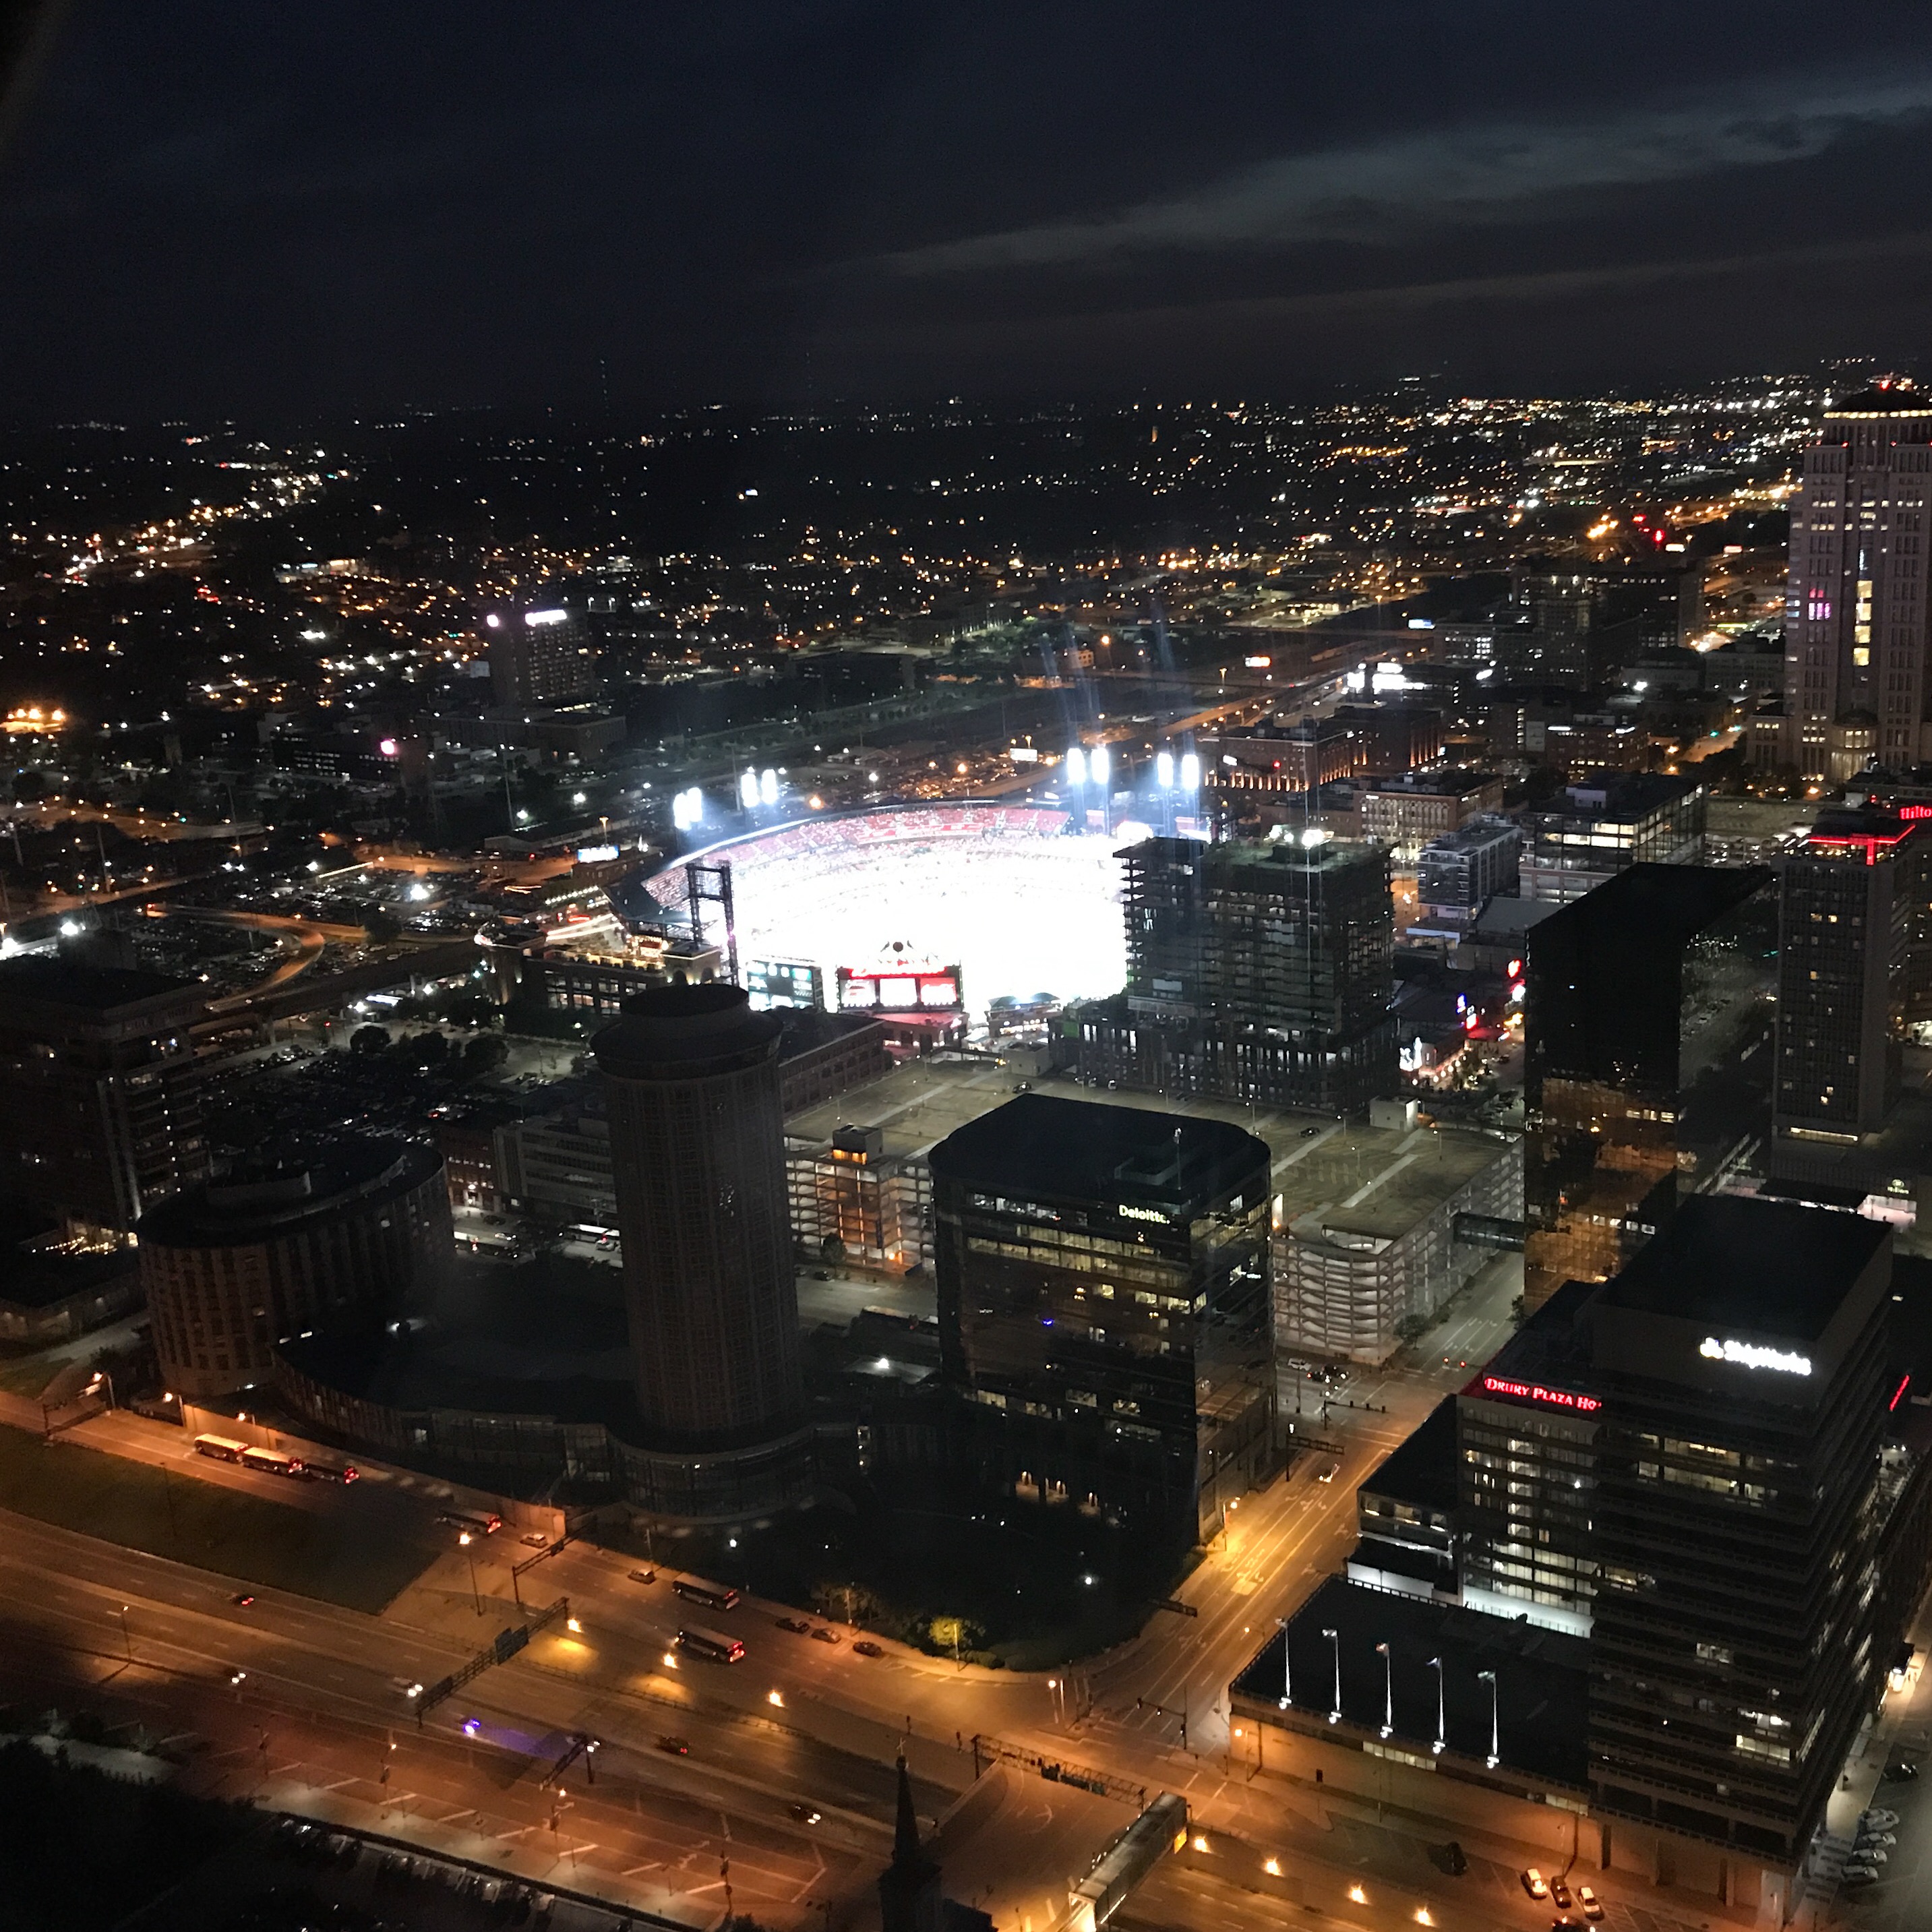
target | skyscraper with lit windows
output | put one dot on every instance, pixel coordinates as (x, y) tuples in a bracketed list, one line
[(1858, 626)]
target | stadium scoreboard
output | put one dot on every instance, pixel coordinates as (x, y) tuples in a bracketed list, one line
[(784, 983), (898, 988)]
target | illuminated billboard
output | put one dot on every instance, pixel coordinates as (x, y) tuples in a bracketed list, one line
[(900, 987)]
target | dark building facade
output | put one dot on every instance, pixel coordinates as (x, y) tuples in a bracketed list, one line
[(1102, 1275), (1258, 971), (331, 1241), (1852, 920), (696, 1139), (100, 1096), (1646, 1009), (539, 657), (1740, 1361)]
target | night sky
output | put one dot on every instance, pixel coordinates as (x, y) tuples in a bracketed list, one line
[(272, 211)]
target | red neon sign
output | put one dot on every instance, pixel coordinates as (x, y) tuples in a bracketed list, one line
[(1898, 1395), (1584, 1405)]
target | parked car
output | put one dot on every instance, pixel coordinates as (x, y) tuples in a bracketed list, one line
[(1882, 1821), (1559, 1894), (797, 1625), (866, 1647), (1535, 1884), (822, 1635), (1587, 1899)]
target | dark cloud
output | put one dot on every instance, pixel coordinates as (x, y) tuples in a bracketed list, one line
[(266, 212)]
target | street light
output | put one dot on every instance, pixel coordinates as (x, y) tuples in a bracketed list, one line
[(463, 1538), (1287, 1667), (1489, 1677), (126, 1643), (1334, 1637), (1388, 1688), (1435, 1664)]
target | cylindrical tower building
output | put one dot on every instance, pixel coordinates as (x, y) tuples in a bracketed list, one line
[(698, 1154), (328, 1241)]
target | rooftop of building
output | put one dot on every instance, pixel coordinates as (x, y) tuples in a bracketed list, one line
[(1542, 1679), (1473, 836), (1356, 1184), (1458, 782), (1291, 855), (1888, 399), (1864, 829), (1422, 1469), (275, 1192), (38, 1269), (1766, 1267), (53, 979), (1622, 797), (1552, 1348), (1065, 1149)]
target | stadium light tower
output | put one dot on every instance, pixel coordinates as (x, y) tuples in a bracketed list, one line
[(1076, 765), (768, 787), (748, 790), (1163, 770), (1190, 772), (1100, 765)]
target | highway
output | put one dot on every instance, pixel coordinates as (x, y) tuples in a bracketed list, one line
[(312, 1723)]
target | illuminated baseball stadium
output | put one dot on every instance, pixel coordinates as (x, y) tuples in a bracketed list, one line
[(1020, 902)]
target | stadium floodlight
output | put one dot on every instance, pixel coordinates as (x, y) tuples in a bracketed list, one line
[(1076, 765), (1190, 772), (1313, 837), (1100, 764), (747, 790), (687, 809), (680, 815), (768, 787), (694, 805), (1163, 770)]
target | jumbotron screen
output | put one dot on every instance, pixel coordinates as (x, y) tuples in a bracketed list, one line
[(895, 989)]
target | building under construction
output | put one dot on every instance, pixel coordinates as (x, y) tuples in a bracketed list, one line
[(1257, 971)]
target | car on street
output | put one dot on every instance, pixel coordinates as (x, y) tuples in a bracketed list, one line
[(1871, 1837), (242, 1599), (1901, 1772), (821, 1635), (866, 1647), (1535, 1884), (1879, 1820), (797, 1625), (805, 1814), (1559, 1894), (677, 1746), (1592, 1908), (1858, 1875)]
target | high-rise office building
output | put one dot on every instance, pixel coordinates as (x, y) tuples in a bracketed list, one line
[(1851, 921), (1660, 1556), (100, 1095), (1603, 825), (328, 1241), (539, 657), (697, 1142), (1257, 970), (1858, 625), (1102, 1274), (1742, 1362), (1645, 1008)]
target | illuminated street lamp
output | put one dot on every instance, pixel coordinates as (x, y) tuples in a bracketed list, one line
[(1287, 1666), (1489, 1677), (1335, 1638), (1388, 1688), (1435, 1664)]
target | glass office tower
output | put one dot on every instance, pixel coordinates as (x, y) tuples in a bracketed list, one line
[(1104, 1305), (1647, 1013)]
